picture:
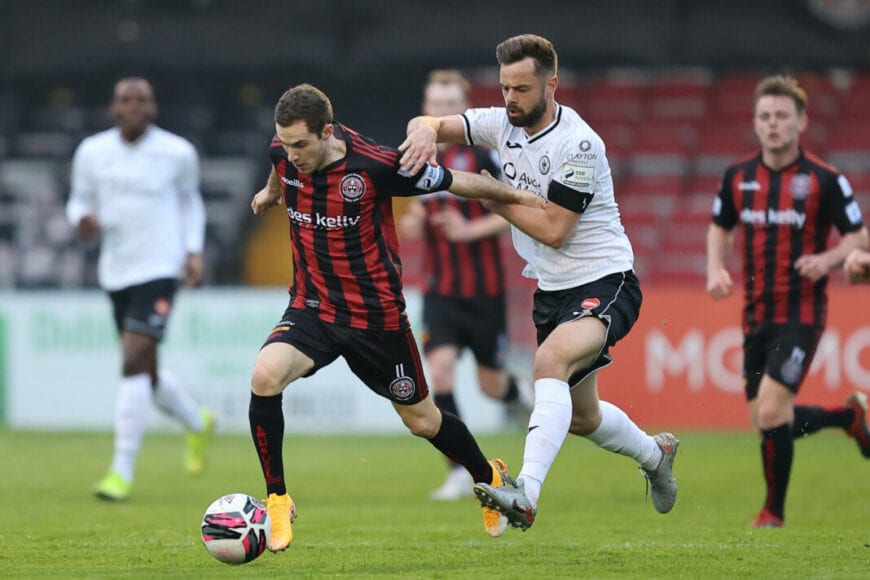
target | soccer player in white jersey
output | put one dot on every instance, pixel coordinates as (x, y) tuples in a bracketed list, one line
[(136, 186), (588, 296)]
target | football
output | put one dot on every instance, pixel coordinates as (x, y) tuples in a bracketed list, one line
[(236, 528)]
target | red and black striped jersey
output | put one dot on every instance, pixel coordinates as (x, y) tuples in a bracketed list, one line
[(462, 269), (342, 234), (785, 214)]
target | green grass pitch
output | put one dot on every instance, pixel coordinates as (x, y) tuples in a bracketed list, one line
[(364, 513)]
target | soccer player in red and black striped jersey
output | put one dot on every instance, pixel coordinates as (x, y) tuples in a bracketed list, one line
[(464, 292), (787, 200), (346, 297)]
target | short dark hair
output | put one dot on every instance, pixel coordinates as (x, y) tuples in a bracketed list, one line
[(541, 50), (304, 103), (782, 86)]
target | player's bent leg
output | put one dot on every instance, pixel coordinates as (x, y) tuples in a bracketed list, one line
[(442, 366), (610, 428), (277, 365)]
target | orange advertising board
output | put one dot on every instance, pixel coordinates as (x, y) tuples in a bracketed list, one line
[(681, 365)]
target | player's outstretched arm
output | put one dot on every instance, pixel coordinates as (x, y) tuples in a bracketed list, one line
[(485, 186)]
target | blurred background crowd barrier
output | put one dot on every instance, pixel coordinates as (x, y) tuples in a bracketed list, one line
[(668, 84)]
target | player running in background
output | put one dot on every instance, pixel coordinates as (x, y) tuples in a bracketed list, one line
[(464, 292), (346, 297), (786, 199), (588, 296), (136, 186)]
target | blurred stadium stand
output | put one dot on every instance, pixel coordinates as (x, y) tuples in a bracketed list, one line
[(671, 126)]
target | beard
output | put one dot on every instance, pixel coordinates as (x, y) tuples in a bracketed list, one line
[(531, 117)]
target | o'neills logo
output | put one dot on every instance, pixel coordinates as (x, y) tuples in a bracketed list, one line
[(352, 187), (590, 303)]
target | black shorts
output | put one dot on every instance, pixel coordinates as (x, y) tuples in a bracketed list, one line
[(144, 308), (388, 362), (614, 299), (784, 352), (479, 324)]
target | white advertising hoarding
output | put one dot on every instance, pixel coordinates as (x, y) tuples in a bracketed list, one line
[(62, 364)]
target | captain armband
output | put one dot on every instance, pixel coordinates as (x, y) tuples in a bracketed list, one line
[(434, 178), (570, 199)]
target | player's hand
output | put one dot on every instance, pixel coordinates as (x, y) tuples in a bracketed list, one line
[(418, 149), (719, 284), (194, 270), (813, 266), (263, 200), (857, 266), (454, 225), (89, 227)]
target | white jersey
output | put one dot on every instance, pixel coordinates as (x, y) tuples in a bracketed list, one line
[(566, 158), (146, 198)]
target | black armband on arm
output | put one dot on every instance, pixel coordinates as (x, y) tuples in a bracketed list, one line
[(437, 178), (570, 199)]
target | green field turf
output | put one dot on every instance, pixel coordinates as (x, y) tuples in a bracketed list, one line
[(363, 512)]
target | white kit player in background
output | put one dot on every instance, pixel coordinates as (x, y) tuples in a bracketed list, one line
[(588, 296), (136, 186)]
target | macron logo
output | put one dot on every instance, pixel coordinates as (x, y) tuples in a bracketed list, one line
[(294, 182)]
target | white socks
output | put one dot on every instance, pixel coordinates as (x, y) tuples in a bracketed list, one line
[(548, 427), (619, 434), (173, 400), (131, 415)]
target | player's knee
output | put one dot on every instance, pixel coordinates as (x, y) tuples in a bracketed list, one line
[(265, 383), (549, 363), (421, 426), (770, 416)]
